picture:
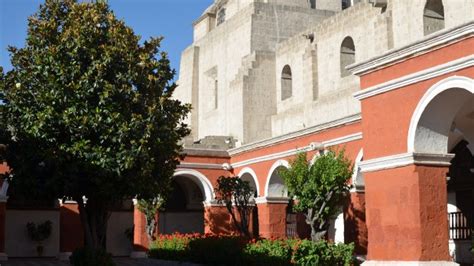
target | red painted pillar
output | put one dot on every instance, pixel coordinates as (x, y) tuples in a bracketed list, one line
[(140, 239), (71, 234), (3, 203), (217, 220), (355, 228), (407, 214), (272, 217)]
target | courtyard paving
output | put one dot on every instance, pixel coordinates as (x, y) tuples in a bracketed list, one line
[(118, 261)]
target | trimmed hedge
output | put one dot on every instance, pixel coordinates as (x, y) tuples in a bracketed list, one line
[(235, 250)]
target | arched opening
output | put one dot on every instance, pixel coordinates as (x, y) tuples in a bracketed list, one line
[(276, 185), (358, 181), (249, 175), (433, 16), (286, 83), (183, 211), (347, 55), (444, 122)]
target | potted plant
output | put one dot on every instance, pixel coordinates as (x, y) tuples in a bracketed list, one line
[(39, 233)]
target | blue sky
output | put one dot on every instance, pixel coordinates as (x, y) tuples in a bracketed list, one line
[(169, 18)]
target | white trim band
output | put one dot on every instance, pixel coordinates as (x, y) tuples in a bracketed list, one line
[(418, 47), (404, 159), (407, 80), (312, 146), (184, 165), (213, 203), (273, 200)]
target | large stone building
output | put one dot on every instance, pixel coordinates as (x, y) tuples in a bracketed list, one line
[(391, 81)]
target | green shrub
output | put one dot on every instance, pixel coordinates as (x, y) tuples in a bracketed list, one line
[(91, 257), (235, 250), (323, 253), (170, 247), (269, 252)]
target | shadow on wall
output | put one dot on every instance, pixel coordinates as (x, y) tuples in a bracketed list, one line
[(218, 221), (355, 228)]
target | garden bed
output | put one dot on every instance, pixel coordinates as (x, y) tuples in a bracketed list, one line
[(235, 250)]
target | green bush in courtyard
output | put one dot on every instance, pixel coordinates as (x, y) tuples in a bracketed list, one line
[(310, 253), (269, 252), (233, 250), (170, 247)]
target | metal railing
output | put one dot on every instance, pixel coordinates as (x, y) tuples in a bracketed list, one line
[(460, 227), (291, 231)]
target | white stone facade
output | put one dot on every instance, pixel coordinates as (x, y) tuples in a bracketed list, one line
[(232, 72)]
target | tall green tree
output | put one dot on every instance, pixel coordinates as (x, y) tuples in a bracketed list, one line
[(319, 188), (88, 112)]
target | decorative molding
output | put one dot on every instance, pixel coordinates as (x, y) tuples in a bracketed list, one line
[(189, 151), (426, 74), (293, 135), (185, 165), (272, 200), (213, 203), (404, 159), (67, 201), (310, 147), (342, 140), (216, 203), (427, 43), (227, 166)]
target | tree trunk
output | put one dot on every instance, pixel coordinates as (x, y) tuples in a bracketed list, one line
[(94, 217), (244, 222), (317, 232)]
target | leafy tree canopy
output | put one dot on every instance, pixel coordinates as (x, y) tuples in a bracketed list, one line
[(319, 187), (237, 195), (88, 108)]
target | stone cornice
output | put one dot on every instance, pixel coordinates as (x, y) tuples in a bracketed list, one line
[(185, 165), (405, 159), (426, 74), (205, 152), (293, 135), (274, 200), (440, 38)]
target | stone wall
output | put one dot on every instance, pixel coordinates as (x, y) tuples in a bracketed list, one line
[(232, 73)]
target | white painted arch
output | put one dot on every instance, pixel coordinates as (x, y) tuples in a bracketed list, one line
[(277, 164), (358, 182), (251, 172), (200, 180), (416, 137)]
